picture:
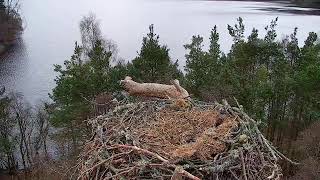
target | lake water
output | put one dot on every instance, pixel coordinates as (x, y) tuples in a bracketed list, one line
[(52, 29)]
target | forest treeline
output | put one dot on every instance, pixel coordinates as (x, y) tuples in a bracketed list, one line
[(275, 80), (10, 23)]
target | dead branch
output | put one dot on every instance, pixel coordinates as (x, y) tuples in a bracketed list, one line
[(174, 91)]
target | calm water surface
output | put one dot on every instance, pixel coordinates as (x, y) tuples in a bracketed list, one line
[(52, 29)]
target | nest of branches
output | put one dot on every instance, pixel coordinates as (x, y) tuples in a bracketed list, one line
[(159, 139)]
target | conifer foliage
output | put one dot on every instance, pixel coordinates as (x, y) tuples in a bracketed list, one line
[(153, 63)]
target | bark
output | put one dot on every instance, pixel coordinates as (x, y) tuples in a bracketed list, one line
[(174, 91)]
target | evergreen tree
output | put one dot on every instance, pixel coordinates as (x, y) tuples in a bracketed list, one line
[(117, 72), (214, 48), (87, 74), (203, 67), (277, 82), (196, 65), (81, 80), (153, 63)]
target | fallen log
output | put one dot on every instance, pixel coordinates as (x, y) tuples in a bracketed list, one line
[(174, 91)]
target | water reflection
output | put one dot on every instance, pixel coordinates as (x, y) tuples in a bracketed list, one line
[(289, 8), (13, 65)]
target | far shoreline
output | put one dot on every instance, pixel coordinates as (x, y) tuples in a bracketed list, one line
[(296, 3), (3, 48)]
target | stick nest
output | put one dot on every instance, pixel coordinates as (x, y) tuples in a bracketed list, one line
[(159, 139)]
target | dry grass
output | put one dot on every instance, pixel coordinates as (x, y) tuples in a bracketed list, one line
[(183, 134)]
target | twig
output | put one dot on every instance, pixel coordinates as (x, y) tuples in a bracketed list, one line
[(144, 151), (120, 174), (243, 166), (233, 174), (180, 170), (104, 161), (283, 156)]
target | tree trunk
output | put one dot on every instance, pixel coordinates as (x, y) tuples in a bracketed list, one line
[(174, 91)]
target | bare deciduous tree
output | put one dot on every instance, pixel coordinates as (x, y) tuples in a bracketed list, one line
[(23, 116), (42, 126), (7, 139), (12, 7), (91, 33)]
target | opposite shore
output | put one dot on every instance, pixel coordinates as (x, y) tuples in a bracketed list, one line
[(10, 24), (2, 48)]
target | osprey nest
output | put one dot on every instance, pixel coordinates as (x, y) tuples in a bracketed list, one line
[(178, 139), (161, 139)]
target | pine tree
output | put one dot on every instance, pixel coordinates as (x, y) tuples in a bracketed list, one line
[(153, 63), (214, 48), (214, 58), (203, 68)]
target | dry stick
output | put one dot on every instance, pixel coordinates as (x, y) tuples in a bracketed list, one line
[(243, 166), (272, 149), (261, 156), (75, 170), (275, 151), (104, 161), (123, 172), (233, 174), (179, 169), (265, 141), (97, 173), (135, 148), (272, 175), (283, 156), (94, 103)]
